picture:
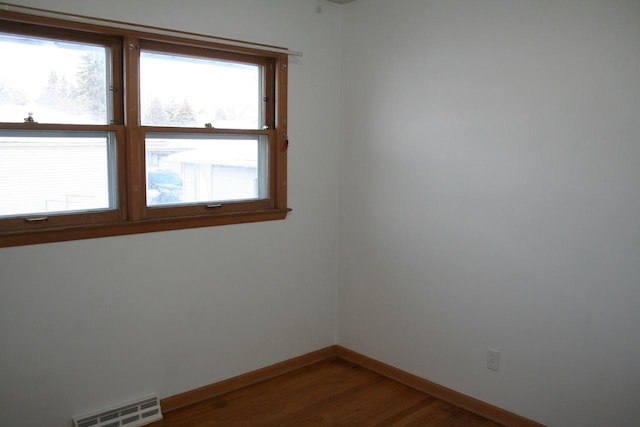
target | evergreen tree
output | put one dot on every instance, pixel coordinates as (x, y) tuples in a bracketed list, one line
[(184, 115), (58, 92), (91, 91), (154, 113)]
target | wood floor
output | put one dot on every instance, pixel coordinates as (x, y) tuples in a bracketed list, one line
[(329, 393)]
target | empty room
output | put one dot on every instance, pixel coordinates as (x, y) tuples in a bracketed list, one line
[(205, 194)]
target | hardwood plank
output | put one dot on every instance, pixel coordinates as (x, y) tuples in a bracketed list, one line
[(333, 386), (333, 392), (203, 393), (397, 417), (458, 399)]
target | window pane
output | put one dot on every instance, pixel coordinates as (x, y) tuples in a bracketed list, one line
[(185, 91), (59, 172), (54, 81), (186, 169)]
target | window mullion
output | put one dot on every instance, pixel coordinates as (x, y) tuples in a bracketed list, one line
[(279, 176), (134, 134), (116, 89)]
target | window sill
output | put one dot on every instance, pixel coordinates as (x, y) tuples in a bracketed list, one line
[(50, 235)]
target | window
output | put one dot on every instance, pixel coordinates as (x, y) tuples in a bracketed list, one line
[(105, 132)]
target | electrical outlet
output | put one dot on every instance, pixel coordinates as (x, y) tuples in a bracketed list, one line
[(493, 360)]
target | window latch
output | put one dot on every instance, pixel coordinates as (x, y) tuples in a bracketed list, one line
[(29, 118)]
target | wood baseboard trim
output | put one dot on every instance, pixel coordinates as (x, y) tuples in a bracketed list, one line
[(469, 403), (201, 394)]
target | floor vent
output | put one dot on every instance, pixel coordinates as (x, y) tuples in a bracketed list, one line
[(133, 414)]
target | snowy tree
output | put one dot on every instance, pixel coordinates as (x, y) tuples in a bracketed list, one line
[(91, 90)]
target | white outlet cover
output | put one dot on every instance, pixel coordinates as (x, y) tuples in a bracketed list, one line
[(493, 360)]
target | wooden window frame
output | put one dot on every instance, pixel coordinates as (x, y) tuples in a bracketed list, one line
[(132, 214)]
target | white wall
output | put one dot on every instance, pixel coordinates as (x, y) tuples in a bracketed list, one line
[(490, 197), (88, 324)]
